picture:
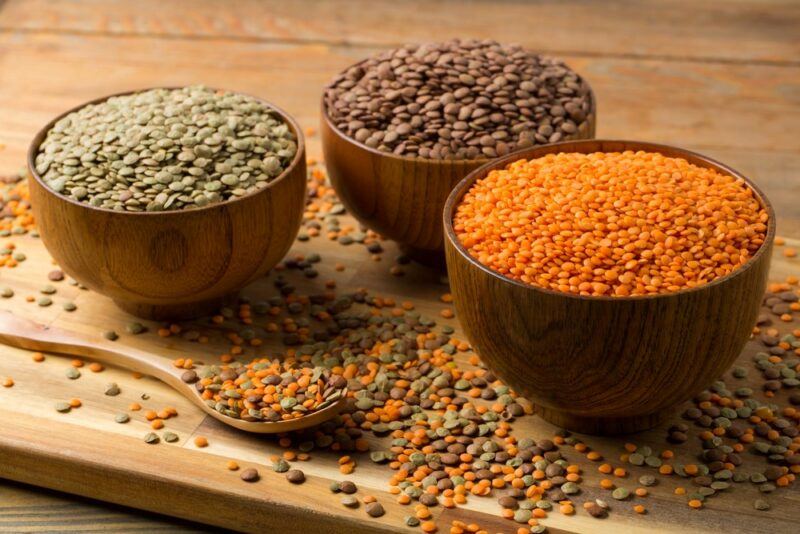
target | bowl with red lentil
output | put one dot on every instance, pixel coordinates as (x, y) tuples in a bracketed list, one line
[(401, 128), (608, 281), (168, 200)]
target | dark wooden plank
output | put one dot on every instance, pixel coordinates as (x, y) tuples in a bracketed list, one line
[(716, 30), (26, 508)]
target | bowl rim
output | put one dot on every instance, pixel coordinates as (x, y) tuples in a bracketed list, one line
[(417, 159), (617, 145), (40, 136)]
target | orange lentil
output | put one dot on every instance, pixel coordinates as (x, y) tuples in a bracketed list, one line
[(639, 509), (75, 403), (368, 499), (8, 382), (545, 222), (96, 367), (200, 441), (790, 252), (640, 492), (620, 472), (680, 491), (135, 407), (157, 424), (428, 526), (76, 363), (232, 466), (37, 357), (695, 503)]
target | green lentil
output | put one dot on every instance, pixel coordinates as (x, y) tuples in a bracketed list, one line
[(110, 335), (620, 494), (135, 328)]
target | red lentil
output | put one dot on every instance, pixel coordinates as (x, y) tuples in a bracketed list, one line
[(619, 224)]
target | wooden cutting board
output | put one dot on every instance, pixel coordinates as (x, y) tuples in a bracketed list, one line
[(87, 453)]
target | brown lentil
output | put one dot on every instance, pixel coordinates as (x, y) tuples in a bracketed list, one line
[(460, 99), (249, 475)]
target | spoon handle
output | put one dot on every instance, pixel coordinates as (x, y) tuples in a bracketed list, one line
[(27, 334), (24, 333)]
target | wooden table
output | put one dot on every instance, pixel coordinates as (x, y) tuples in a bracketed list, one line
[(722, 78)]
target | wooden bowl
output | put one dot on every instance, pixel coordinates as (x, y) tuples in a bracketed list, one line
[(401, 197), (604, 365), (171, 264)]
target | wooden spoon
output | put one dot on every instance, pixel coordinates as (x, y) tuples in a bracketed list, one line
[(26, 334)]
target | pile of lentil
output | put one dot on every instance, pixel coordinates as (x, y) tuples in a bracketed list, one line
[(166, 149), (267, 390), (618, 224), (460, 99)]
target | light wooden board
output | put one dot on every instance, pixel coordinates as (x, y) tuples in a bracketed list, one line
[(85, 452)]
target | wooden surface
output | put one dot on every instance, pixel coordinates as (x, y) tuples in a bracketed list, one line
[(87, 453), (606, 365), (172, 264), (722, 78), (402, 197)]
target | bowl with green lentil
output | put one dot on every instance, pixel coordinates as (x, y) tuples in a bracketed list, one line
[(168, 200), (401, 128), (607, 281)]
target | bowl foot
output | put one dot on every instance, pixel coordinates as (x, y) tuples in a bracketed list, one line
[(603, 426), (163, 312), (427, 257)]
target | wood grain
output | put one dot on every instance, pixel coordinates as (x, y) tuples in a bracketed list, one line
[(604, 365), (402, 198), (716, 30), (26, 508), (172, 264)]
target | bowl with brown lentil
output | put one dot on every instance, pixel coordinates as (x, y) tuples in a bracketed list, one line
[(608, 281), (401, 128), (168, 200)]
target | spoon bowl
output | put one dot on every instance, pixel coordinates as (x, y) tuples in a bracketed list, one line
[(27, 334)]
